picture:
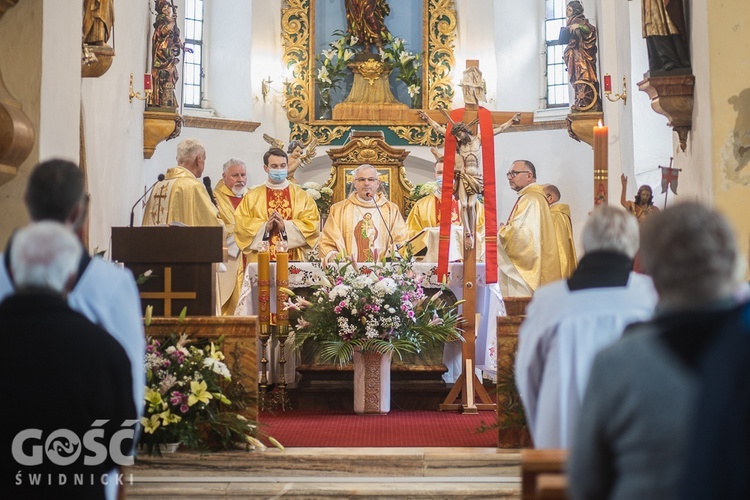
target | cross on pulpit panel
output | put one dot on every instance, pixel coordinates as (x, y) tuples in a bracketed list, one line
[(168, 295)]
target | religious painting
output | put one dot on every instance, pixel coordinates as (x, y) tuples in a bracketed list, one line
[(319, 57)]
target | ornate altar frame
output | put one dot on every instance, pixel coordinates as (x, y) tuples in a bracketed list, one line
[(298, 33), (370, 147)]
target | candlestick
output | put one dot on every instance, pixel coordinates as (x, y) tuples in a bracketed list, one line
[(282, 280), (264, 286), (607, 83), (601, 150), (147, 82)]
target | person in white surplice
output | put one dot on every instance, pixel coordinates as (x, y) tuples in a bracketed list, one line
[(568, 322)]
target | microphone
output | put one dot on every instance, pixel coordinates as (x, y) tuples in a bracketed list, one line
[(385, 222), (132, 210), (207, 183)]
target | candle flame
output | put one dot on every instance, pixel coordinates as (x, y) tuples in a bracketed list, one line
[(600, 122)]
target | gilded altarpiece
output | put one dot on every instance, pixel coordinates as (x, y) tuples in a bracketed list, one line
[(369, 147), (298, 32)]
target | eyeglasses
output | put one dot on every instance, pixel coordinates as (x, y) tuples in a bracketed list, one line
[(366, 179), (513, 173)]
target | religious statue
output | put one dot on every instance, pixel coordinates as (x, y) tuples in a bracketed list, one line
[(665, 34), (299, 155), (166, 46), (580, 58), (365, 21), (468, 182), (643, 206), (98, 20)]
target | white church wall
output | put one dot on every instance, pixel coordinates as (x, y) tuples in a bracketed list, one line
[(113, 126)]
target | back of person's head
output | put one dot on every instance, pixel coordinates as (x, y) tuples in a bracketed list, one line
[(551, 189), (611, 229), (188, 150), (691, 253), (55, 190), (44, 255)]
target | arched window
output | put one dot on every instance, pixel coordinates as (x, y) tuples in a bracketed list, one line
[(192, 90), (558, 94)]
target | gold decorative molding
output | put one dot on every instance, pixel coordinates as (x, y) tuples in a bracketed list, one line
[(219, 124), (298, 35), (672, 96), (104, 55), (581, 125), (370, 147), (158, 126), (16, 135)]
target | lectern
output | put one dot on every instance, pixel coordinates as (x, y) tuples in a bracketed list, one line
[(181, 261)]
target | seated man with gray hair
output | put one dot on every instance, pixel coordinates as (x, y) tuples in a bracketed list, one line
[(72, 378), (635, 426), (568, 322)]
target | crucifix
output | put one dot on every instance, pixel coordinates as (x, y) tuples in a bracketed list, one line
[(168, 295), (464, 177)]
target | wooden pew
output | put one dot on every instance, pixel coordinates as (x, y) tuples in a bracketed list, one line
[(543, 473)]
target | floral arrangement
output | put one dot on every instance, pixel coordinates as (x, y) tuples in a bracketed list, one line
[(332, 66), (407, 66), (424, 189), (323, 196), (185, 400), (375, 306)]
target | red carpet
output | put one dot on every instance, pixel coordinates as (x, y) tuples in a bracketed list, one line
[(399, 428)]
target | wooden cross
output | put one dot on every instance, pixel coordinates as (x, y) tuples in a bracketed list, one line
[(168, 295), (468, 385)]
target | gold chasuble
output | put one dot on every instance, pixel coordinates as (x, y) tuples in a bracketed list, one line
[(426, 214), (230, 281), (180, 197), (564, 232), (527, 245), (355, 227), (301, 220)]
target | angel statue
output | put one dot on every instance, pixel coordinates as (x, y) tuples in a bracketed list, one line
[(468, 183), (299, 155)]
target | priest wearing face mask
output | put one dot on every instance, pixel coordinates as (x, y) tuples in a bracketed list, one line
[(425, 216), (276, 211), (366, 225)]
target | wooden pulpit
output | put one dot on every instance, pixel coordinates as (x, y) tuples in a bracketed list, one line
[(182, 264)]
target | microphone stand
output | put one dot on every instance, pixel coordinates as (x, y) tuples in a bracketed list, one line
[(132, 210), (387, 228)]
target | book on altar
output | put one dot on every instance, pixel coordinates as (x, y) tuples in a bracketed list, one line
[(425, 245)]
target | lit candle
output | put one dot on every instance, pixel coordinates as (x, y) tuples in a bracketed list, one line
[(601, 138), (264, 287), (282, 280), (147, 82), (607, 83)]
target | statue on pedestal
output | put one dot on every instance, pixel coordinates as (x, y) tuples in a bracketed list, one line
[(365, 20), (580, 58)]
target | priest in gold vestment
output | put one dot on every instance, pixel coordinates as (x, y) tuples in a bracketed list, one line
[(365, 225), (425, 216), (228, 194), (181, 197), (563, 230), (527, 245), (277, 211)]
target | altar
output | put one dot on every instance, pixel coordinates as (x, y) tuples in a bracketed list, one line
[(307, 274)]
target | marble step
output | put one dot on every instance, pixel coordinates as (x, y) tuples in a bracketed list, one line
[(329, 473)]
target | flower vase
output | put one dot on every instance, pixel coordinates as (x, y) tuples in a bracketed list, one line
[(324, 113), (372, 382), (169, 447)]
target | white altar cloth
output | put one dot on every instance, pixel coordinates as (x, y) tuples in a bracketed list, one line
[(307, 274)]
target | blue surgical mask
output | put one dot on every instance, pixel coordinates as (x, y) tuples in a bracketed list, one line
[(439, 181), (277, 175)]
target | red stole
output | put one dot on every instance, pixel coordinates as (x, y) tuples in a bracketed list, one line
[(279, 200), (490, 211)]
